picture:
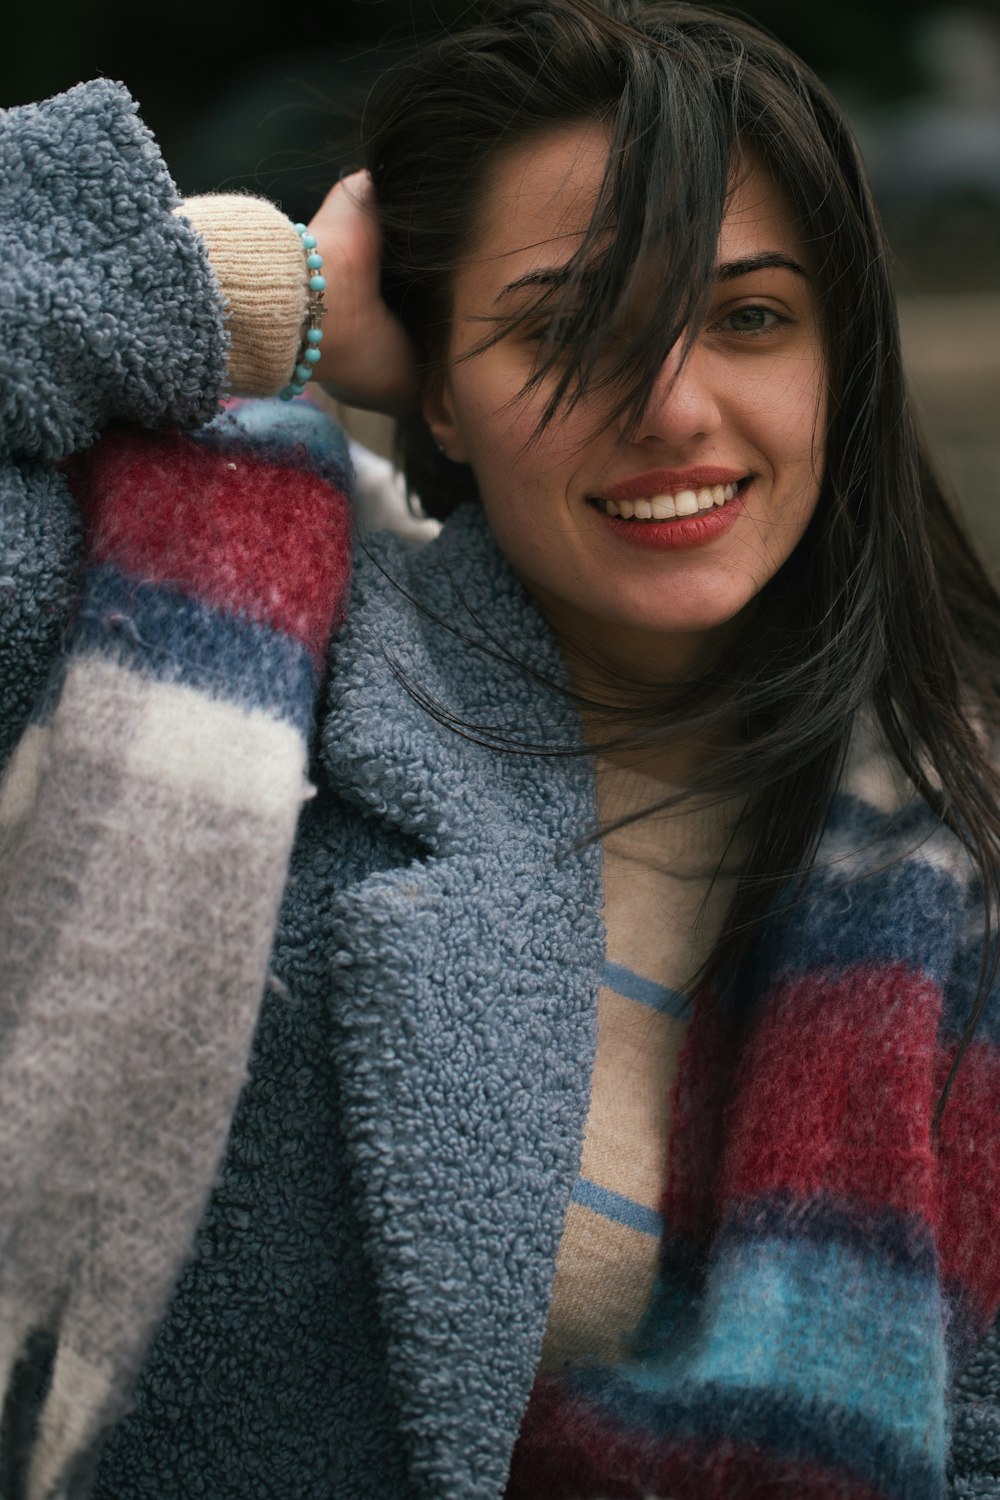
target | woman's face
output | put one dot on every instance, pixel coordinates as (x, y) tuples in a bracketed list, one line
[(639, 549)]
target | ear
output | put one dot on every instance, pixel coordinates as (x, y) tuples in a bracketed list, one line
[(439, 413)]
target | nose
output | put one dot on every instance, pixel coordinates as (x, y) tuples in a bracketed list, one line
[(684, 405)]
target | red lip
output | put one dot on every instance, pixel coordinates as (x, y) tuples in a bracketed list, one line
[(669, 482), (677, 535)]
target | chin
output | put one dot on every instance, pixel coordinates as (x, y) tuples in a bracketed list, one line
[(699, 616)]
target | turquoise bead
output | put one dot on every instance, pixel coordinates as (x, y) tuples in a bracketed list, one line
[(314, 336), (301, 228), (311, 356), (309, 241), (314, 262), (317, 283), (286, 394), (297, 387), (303, 372)]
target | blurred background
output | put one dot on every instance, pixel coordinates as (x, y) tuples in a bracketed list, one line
[(265, 99)]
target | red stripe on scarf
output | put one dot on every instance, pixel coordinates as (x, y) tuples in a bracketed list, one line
[(236, 531), (843, 1066), (704, 1083), (969, 1153), (569, 1450)]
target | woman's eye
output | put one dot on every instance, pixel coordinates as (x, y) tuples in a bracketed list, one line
[(551, 330), (751, 320)]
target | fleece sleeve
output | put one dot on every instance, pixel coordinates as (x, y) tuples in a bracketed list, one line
[(109, 311), (109, 308)]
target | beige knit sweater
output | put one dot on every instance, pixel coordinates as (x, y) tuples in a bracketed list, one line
[(258, 260)]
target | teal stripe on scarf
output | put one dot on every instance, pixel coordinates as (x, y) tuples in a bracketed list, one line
[(805, 1318)]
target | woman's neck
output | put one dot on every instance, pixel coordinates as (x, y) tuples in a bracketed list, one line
[(625, 721)]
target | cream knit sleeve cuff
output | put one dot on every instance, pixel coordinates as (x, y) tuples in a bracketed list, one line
[(258, 261)]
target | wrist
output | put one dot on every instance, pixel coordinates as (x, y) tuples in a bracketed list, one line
[(312, 332)]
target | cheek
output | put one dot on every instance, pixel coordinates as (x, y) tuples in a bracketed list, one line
[(489, 420), (793, 431), (513, 464), (816, 409)]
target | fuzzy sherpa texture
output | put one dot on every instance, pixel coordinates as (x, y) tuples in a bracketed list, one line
[(108, 306), (369, 1296), (40, 536), (975, 1439), (109, 310)]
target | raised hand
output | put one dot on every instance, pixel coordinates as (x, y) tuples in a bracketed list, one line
[(368, 360)]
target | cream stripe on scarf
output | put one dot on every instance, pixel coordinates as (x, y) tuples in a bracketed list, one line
[(163, 990)]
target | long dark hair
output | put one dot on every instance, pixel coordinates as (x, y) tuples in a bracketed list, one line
[(884, 604)]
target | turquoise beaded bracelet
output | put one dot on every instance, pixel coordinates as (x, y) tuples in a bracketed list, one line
[(309, 354)]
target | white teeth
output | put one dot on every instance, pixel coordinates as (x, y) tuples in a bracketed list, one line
[(665, 507)]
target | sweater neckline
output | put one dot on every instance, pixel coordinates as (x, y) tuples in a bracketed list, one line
[(696, 838)]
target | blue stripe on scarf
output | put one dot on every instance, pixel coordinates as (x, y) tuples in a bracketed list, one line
[(859, 923), (633, 986), (174, 638), (292, 434), (617, 1207), (897, 1238)]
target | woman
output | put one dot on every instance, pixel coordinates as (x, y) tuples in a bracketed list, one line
[(448, 1251)]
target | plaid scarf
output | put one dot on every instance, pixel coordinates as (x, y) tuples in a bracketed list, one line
[(146, 820), (829, 1260)]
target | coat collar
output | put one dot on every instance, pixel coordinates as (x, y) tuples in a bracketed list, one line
[(446, 632), (466, 1016)]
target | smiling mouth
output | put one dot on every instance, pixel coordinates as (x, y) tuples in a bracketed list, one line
[(668, 507)]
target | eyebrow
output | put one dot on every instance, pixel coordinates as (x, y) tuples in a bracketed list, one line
[(728, 270), (768, 260), (545, 276)]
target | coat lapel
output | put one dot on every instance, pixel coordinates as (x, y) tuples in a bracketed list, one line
[(465, 1012)]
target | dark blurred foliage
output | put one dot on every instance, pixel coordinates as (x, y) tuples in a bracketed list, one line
[(263, 97)]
